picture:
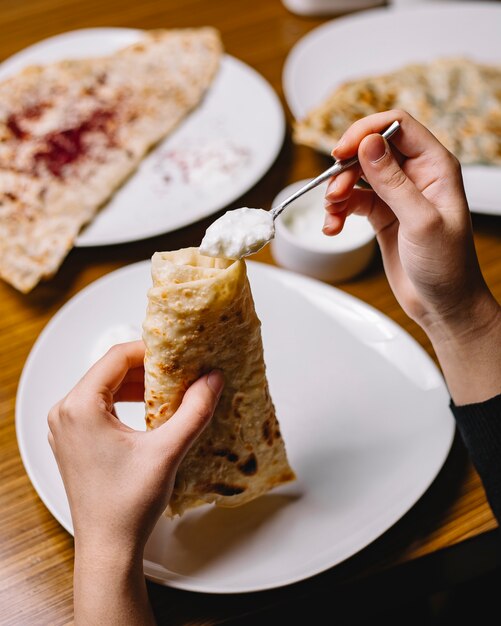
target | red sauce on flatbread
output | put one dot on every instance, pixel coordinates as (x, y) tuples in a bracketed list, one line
[(66, 146)]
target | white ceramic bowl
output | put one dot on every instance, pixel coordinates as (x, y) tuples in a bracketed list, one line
[(300, 245)]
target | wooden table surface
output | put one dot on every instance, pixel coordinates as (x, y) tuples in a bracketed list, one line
[(36, 554)]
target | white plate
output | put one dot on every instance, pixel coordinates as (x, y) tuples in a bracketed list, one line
[(216, 154), (362, 407), (385, 39)]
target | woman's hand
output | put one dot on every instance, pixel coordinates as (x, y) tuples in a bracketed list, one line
[(418, 209), (119, 481)]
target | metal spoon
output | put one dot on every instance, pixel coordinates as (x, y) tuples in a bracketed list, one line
[(333, 170)]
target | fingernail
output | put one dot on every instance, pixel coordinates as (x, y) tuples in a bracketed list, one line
[(327, 227), (215, 381), (338, 145), (331, 191), (375, 148)]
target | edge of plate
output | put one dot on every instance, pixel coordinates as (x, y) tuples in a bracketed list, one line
[(181, 583), (73, 301), (263, 168), (297, 50)]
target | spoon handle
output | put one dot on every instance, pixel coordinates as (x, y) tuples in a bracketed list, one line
[(333, 170)]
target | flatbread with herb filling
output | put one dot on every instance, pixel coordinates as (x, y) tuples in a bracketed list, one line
[(458, 99)]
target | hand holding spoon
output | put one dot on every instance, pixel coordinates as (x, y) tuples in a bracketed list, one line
[(243, 231)]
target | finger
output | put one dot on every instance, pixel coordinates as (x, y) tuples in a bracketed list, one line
[(111, 369), (130, 392), (391, 184), (365, 202), (333, 223), (334, 208), (53, 417), (195, 412), (134, 375), (412, 139), (340, 187)]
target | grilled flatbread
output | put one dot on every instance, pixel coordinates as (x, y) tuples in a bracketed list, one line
[(71, 132), (458, 99), (201, 316)]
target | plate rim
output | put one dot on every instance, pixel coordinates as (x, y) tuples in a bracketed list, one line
[(183, 582), (243, 68), (298, 48), (479, 206)]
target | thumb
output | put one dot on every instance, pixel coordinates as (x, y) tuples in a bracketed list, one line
[(199, 402), (388, 180)]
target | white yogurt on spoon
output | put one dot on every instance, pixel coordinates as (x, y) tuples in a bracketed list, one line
[(238, 233)]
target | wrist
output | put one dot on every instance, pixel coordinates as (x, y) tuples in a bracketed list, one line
[(104, 555), (478, 317), (109, 585), (468, 351)]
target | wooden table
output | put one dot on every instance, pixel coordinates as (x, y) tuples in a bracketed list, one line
[(447, 535)]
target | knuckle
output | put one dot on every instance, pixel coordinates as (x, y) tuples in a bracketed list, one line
[(115, 350), (453, 163), (68, 408), (53, 417), (201, 411), (50, 438), (400, 114), (395, 178)]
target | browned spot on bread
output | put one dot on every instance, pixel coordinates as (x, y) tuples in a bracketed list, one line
[(235, 404), (224, 489), (13, 125), (249, 466), (201, 328), (286, 476), (169, 368), (226, 452), (224, 318), (267, 434)]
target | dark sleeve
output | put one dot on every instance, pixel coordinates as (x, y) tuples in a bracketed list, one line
[(480, 428)]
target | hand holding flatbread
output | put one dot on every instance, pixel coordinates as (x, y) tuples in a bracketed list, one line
[(201, 316)]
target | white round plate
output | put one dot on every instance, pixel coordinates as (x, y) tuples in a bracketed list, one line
[(214, 156), (385, 39), (363, 411)]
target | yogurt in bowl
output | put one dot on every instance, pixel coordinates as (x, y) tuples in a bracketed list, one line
[(301, 246)]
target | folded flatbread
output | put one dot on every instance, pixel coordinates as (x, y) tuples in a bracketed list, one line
[(201, 316), (71, 132), (458, 99)]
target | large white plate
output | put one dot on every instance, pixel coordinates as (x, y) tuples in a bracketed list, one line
[(216, 154), (363, 411), (384, 39)]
